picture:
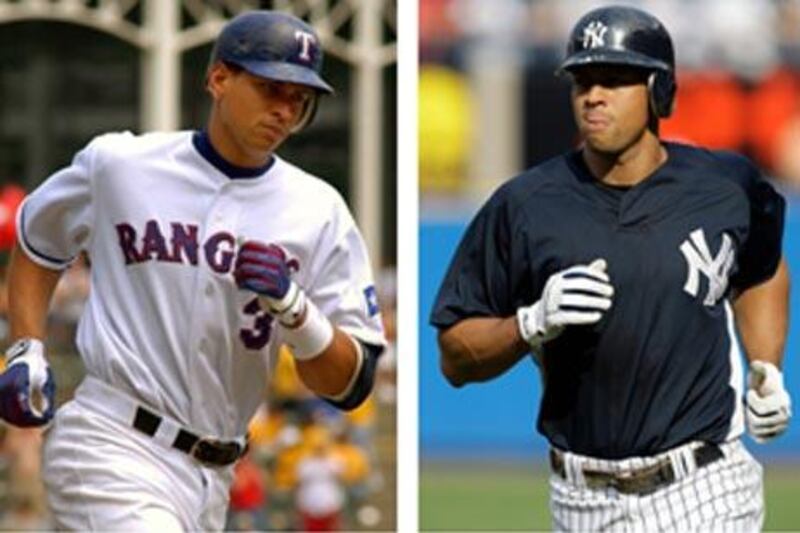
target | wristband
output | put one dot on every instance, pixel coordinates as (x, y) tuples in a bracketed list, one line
[(309, 339)]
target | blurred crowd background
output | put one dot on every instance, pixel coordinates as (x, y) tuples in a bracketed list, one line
[(491, 105), (70, 70)]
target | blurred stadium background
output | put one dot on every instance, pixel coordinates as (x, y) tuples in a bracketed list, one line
[(490, 106), (71, 69)]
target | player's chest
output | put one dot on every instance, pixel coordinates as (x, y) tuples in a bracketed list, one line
[(689, 246), (196, 225)]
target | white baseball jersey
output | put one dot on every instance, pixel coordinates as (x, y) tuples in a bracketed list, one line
[(161, 220)]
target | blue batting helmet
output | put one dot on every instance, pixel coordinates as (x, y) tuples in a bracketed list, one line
[(273, 45)]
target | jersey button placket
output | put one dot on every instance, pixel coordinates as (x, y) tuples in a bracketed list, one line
[(206, 290)]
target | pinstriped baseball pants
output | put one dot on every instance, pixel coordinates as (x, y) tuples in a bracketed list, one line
[(725, 496)]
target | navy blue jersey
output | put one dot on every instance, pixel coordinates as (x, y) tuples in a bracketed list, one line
[(657, 370)]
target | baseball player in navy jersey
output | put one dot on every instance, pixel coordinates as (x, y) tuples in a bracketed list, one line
[(208, 252), (627, 267)]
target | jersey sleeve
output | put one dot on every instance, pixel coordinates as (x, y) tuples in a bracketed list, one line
[(760, 254), (479, 280), (55, 220), (342, 285)]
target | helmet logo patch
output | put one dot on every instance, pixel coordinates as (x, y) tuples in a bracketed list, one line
[(594, 34), (306, 40)]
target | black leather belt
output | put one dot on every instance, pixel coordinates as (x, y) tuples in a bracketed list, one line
[(208, 451), (640, 481)]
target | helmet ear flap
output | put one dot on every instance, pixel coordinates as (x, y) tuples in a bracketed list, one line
[(661, 87)]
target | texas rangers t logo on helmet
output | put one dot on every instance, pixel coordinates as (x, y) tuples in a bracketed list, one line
[(306, 40), (594, 34)]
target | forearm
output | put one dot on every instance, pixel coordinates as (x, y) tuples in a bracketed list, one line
[(329, 373), (30, 288), (479, 349), (762, 317)]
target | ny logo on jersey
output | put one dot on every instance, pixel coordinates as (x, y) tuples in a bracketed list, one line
[(716, 269), (594, 34), (306, 40)]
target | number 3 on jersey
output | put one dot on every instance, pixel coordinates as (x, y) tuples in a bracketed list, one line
[(257, 336)]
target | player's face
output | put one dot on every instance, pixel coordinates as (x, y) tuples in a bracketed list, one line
[(256, 114), (611, 106)]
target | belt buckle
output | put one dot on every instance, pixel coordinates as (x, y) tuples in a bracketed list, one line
[(629, 481), (646, 480), (213, 452), (621, 481)]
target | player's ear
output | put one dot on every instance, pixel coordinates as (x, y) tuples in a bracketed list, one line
[(216, 79)]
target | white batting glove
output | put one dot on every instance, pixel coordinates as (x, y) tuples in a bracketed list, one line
[(769, 407), (578, 295)]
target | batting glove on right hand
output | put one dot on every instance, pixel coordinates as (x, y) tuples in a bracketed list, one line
[(27, 388), (769, 407), (576, 296), (263, 269)]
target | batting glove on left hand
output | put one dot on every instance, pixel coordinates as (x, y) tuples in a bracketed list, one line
[(769, 407), (27, 388), (262, 268)]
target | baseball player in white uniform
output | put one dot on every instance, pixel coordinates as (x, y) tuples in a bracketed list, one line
[(207, 252)]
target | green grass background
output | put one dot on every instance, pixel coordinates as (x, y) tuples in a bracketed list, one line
[(471, 496)]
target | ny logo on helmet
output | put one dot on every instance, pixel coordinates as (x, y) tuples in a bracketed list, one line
[(306, 40), (594, 34), (716, 268)]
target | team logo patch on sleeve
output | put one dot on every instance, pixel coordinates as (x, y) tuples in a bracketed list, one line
[(372, 300)]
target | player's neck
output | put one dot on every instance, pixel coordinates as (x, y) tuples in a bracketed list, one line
[(232, 152), (629, 167)]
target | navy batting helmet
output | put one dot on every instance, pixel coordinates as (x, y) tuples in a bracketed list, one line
[(275, 46), (622, 35)]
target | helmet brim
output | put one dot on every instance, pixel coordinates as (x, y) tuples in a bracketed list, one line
[(286, 72), (612, 57)]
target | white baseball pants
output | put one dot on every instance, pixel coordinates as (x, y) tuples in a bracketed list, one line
[(103, 475)]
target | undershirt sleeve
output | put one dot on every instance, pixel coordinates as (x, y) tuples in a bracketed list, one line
[(761, 252)]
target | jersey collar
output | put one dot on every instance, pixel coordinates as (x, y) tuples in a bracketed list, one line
[(581, 170), (203, 145)]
